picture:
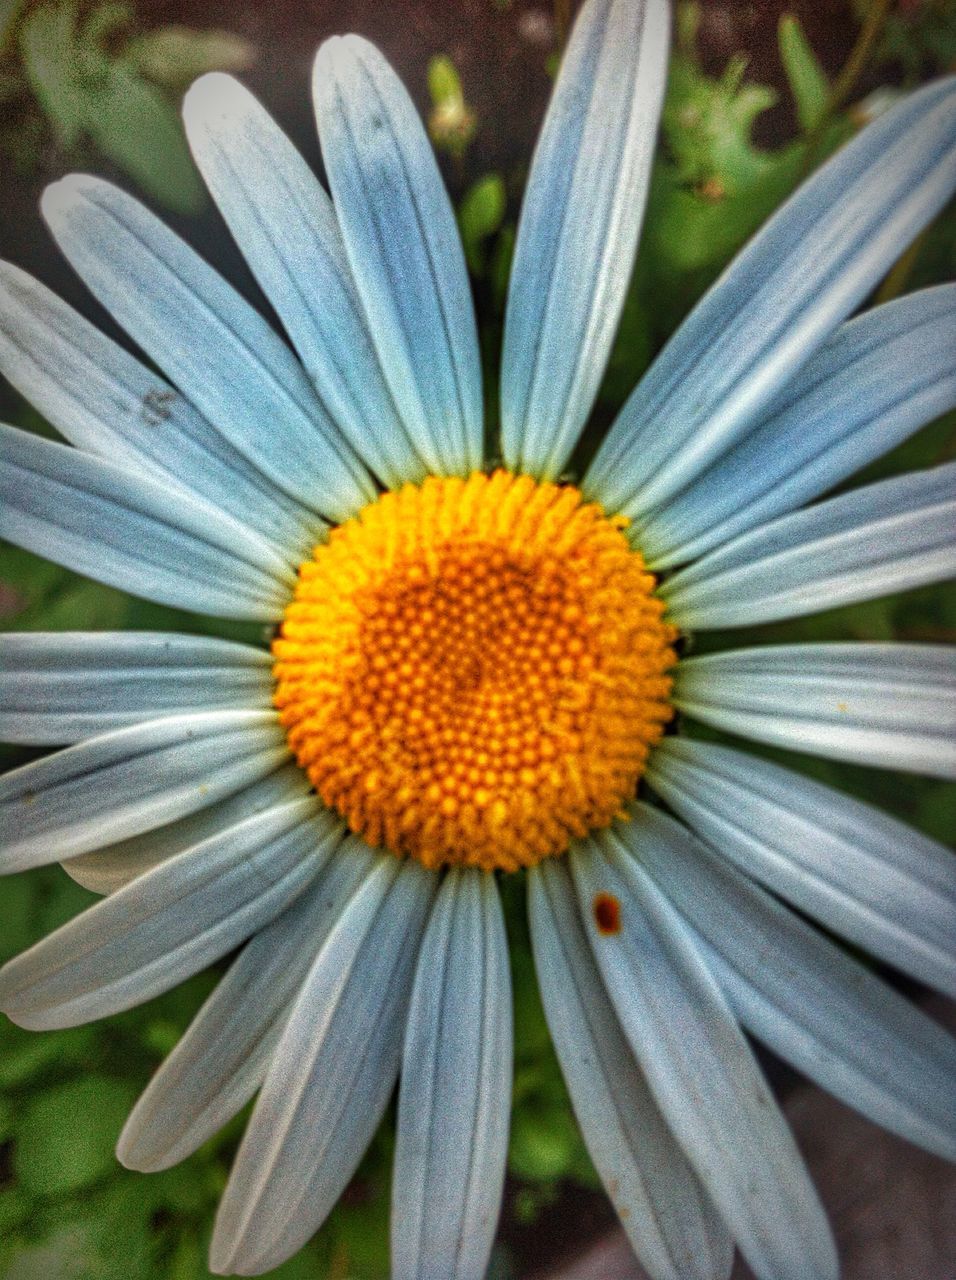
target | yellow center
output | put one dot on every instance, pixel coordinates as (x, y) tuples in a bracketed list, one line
[(473, 671)]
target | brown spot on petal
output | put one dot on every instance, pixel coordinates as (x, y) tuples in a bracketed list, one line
[(607, 913)]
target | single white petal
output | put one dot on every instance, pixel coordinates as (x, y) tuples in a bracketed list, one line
[(331, 1076), (875, 540), (701, 1071), (580, 219), (223, 1058), (107, 402), (889, 705), (285, 225), (404, 250), (665, 1211), (58, 687), (118, 527), (876, 381), (805, 271), (219, 351), (803, 995), (171, 922), (454, 1100), (128, 781), (863, 874)]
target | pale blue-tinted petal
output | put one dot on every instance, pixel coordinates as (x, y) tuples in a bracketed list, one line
[(118, 527), (404, 250), (223, 1058), (455, 1097), (701, 1071), (220, 352), (668, 1218), (889, 705), (579, 225), (803, 995), (331, 1077), (104, 400), (810, 266), (57, 687), (128, 781), (285, 225), (171, 922), (878, 379), (114, 865), (878, 539), (863, 874)]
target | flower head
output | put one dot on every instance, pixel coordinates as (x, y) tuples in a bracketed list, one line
[(475, 667)]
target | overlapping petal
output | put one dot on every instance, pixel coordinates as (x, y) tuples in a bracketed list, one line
[(878, 379), (878, 539), (814, 261), (663, 1207), (580, 220), (889, 705), (404, 250), (285, 226), (59, 687), (452, 1135), (218, 351)]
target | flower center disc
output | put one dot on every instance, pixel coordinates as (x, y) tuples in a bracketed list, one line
[(473, 671)]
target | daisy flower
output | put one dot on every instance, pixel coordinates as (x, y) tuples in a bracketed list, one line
[(475, 663)]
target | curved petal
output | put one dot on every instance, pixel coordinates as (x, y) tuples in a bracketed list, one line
[(404, 250), (118, 527), (331, 1077), (453, 1105), (223, 1058), (876, 381), (219, 351), (883, 885), (804, 996), (285, 226), (805, 271), (701, 1071), (131, 780), (875, 540), (171, 922), (106, 869), (58, 687), (889, 705), (105, 401), (580, 219), (665, 1211)]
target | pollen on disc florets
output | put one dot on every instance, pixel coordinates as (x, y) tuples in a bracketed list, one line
[(473, 671)]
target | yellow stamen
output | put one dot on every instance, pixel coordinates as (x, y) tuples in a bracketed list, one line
[(473, 671)]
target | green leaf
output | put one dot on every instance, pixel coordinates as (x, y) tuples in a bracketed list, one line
[(140, 131), (806, 78), (48, 46), (176, 55), (30, 1056), (65, 1137), (480, 215), (451, 123), (444, 82)]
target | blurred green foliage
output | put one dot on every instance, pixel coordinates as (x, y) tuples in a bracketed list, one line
[(91, 81)]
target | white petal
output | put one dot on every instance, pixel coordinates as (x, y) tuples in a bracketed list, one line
[(171, 922), (331, 1077), (223, 1058), (702, 1072), (889, 705), (665, 1211), (404, 250), (119, 527), (580, 219), (453, 1108), (58, 687), (883, 885), (804, 996), (285, 225), (220, 352), (878, 539), (130, 780)]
